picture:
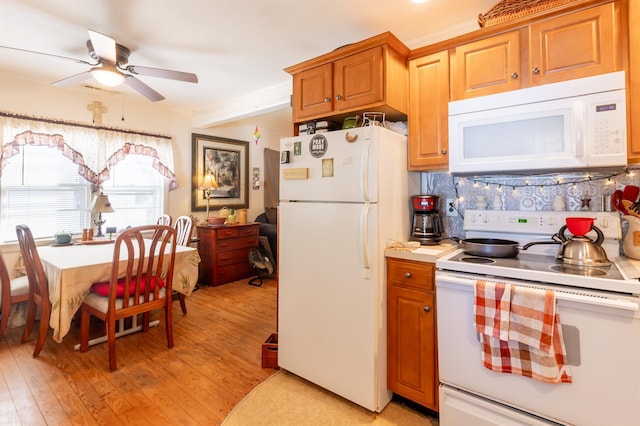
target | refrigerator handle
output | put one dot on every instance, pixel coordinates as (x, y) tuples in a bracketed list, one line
[(365, 171), (364, 242)]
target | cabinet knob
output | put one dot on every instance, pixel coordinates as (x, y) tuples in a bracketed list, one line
[(444, 152), (407, 274), (327, 99), (536, 70), (427, 308), (514, 75), (338, 98)]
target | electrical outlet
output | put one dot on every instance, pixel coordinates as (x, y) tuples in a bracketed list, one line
[(451, 208)]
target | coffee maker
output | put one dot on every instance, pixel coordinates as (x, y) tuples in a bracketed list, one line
[(426, 223)]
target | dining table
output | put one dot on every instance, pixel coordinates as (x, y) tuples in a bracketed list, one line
[(72, 268)]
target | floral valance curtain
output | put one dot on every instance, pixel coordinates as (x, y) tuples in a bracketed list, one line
[(94, 149)]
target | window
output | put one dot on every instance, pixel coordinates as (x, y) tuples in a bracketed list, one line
[(136, 192), (42, 188)]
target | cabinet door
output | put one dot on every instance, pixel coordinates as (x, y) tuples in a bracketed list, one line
[(358, 79), (412, 368), (487, 66), (313, 92), (577, 45), (429, 112), (633, 91)]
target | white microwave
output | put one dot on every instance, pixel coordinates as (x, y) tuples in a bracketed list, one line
[(572, 125)]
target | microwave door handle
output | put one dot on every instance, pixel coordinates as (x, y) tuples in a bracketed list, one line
[(579, 111)]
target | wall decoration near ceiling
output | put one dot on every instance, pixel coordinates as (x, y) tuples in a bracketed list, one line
[(257, 134), (227, 163)]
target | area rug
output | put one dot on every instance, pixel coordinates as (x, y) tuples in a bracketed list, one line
[(286, 399)]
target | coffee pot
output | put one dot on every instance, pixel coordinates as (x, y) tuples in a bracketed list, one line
[(580, 250), (426, 223)]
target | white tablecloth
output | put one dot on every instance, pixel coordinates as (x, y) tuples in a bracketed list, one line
[(72, 269)]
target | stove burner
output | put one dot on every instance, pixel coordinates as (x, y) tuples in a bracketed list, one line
[(477, 259), (585, 272)]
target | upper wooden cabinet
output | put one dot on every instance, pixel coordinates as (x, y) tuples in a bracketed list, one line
[(429, 112), (633, 91), (487, 66), (313, 92), (578, 45), (370, 75), (575, 45)]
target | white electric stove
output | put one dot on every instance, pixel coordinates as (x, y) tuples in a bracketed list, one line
[(600, 316)]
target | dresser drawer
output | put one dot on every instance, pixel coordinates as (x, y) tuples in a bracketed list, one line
[(232, 244), (230, 257), (410, 274), (227, 232)]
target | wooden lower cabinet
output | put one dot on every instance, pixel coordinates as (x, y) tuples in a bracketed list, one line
[(224, 252), (412, 367)]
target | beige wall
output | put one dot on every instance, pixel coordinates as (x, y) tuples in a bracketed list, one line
[(23, 97), (271, 130)]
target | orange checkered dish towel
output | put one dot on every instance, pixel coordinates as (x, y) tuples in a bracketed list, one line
[(534, 346)]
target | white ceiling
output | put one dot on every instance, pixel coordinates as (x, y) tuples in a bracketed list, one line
[(236, 47)]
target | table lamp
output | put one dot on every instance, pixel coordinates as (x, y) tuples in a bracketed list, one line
[(208, 184), (101, 205)]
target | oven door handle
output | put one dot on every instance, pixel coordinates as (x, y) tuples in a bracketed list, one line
[(607, 302)]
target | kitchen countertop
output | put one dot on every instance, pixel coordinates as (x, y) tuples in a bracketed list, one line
[(422, 253)]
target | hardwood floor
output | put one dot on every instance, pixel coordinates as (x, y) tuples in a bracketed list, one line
[(215, 362)]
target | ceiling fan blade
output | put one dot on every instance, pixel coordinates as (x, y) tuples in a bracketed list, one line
[(73, 80), (79, 61), (162, 73), (143, 89), (104, 46)]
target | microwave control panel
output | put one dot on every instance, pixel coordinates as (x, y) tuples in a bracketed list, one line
[(606, 121)]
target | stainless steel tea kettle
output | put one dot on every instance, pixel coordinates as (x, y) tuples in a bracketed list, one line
[(578, 250), (581, 250)]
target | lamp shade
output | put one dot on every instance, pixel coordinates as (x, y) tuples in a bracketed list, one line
[(209, 182), (108, 75), (101, 204)]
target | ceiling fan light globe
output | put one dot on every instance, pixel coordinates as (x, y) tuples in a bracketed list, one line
[(110, 78)]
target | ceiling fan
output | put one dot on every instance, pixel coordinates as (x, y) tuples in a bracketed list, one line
[(111, 68)]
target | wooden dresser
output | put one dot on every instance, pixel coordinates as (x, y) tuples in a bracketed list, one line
[(224, 252)]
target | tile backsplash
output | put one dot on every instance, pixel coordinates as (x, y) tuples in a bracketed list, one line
[(567, 191)]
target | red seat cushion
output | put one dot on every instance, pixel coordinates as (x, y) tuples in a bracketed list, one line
[(102, 288)]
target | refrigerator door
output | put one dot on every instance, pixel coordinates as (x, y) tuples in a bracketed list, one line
[(337, 166), (331, 306)]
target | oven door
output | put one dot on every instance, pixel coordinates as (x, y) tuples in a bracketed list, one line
[(602, 337)]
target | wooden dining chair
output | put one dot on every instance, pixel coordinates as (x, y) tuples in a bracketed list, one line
[(137, 286), (183, 238), (11, 291), (38, 288)]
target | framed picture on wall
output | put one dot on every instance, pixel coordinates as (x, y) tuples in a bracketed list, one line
[(220, 173)]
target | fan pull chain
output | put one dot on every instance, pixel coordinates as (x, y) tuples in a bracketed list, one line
[(122, 118)]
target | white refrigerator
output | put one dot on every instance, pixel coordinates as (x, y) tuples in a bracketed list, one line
[(343, 195)]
